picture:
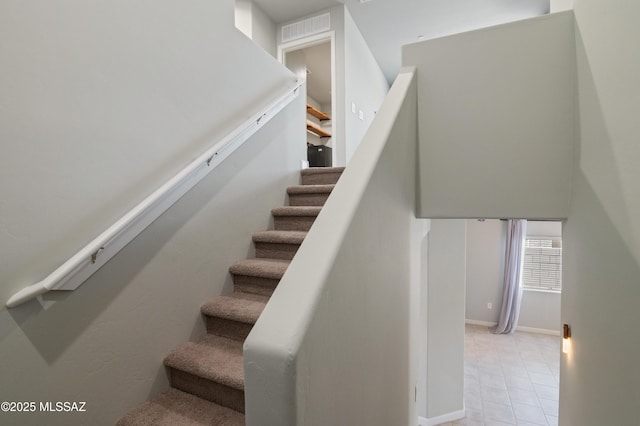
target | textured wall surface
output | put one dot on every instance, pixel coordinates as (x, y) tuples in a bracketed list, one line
[(334, 344), (600, 380), (100, 103), (497, 120), (445, 317)]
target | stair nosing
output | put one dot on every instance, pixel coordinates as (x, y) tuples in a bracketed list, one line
[(211, 344), (215, 360), (297, 211), (311, 189), (210, 308), (252, 267), (321, 170), (279, 237)]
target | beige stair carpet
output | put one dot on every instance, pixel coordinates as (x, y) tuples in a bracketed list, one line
[(206, 376)]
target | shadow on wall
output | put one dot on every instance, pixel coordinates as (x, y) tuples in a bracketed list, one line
[(600, 298), (596, 144), (601, 266), (53, 326)]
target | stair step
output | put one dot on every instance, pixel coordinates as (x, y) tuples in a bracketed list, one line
[(210, 368), (207, 376), (295, 218), (321, 175), (258, 276), (309, 195), (174, 407), (233, 315), (278, 244)]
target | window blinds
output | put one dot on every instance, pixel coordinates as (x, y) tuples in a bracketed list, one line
[(542, 267)]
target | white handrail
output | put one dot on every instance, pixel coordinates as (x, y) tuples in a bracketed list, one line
[(72, 273)]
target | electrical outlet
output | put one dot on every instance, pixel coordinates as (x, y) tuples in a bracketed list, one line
[(489, 305), (361, 114)]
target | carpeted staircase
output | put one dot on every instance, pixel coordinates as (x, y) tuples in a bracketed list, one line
[(206, 376)]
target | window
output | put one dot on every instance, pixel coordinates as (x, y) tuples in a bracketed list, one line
[(542, 267)]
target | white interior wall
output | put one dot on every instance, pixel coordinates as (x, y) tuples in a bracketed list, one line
[(97, 112), (104, 343), (336, 347), (339, 112), (263, 30), (560, 5), (328, 124), (540, 311), (544, 228), (421, 327), (365, 86), (325, 108), (296, 62), (314, 104), (600, 379), (256, 25), (243, 16), (445, 320), (93, 124), (497, 107), (485, 269)]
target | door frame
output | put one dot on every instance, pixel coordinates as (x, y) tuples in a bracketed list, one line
[(304, 42)]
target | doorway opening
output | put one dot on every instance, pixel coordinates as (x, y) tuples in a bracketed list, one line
[(312, 58), (511, 378)]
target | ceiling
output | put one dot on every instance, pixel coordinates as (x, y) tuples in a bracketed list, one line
[(387, 25), (286, 10)]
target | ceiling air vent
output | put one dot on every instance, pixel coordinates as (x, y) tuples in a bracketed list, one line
[(305, 28)]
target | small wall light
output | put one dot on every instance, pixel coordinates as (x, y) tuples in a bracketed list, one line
[(566, 338)]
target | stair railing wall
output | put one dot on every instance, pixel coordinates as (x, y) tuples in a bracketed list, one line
[(79, 267), (333, 344)]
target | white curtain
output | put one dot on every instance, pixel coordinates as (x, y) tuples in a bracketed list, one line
[(512, 291)]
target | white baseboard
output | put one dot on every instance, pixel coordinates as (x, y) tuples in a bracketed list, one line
[(449, 417), (538, 330), (519, 328), (478, 322)]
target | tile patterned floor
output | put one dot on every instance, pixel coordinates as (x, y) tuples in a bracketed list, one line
[(510, 379)]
